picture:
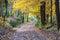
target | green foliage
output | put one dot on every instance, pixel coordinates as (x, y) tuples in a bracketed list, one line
[(48, 20), (38, 23), (19, 21)]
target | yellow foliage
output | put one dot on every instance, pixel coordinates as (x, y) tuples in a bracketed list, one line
[(1, 22), (1, 19), (27, 5), (33, 6)]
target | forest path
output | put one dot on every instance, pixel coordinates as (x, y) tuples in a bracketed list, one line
[(28, 31), (25, 27)]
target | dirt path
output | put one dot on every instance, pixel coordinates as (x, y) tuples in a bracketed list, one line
[(26, 27), (28, 31)]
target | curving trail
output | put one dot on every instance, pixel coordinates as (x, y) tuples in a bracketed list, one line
[(28, 31)]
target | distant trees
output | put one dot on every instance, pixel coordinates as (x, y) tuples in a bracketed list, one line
[(2, 8), (6, 6)]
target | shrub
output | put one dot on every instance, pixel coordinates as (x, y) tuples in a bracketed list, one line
[(1, 22), (13, 22), (7, 25)]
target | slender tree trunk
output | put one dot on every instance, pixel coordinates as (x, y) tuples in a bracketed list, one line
[(18, 13), (6, 5), (23, 18), (43, 16), (51, 12), (57, 13), (27, 17), (47, 16), (11, 5)]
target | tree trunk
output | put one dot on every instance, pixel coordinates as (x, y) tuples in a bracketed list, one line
[(43, 19), (23, 18), (6, 5), (57, 13), (51, 12), (27, 17)]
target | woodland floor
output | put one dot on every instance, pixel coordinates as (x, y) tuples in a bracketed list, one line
[(28, 31)]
